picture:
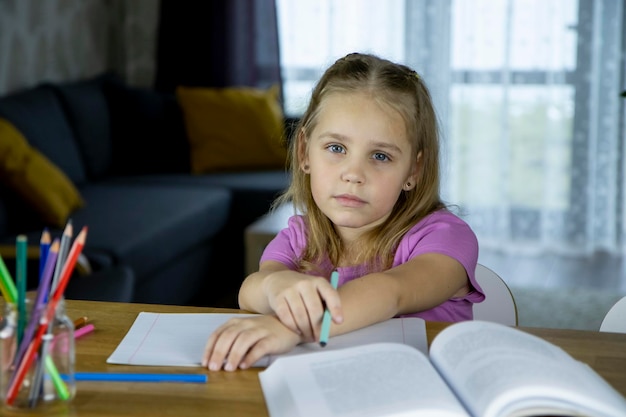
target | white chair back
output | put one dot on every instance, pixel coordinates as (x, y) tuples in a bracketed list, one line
[(499, 305), (615, 319)]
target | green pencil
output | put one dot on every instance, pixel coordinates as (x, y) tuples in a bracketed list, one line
[(7, 286)]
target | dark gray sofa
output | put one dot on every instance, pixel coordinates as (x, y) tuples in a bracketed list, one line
[(157, 234)]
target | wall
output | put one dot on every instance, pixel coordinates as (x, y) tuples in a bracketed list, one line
[(64, 40)]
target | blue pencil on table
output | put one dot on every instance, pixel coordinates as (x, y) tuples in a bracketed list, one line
[(334, 280), (139, 377)]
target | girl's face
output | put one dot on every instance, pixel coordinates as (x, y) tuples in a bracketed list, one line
[(359, 161)]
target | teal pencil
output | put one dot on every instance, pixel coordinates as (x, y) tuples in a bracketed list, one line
[(334, 280), (20, 279)]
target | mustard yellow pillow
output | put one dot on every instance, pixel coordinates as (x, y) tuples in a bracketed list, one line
[(233, 128), (37, 180)]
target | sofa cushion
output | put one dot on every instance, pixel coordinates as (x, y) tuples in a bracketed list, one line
[(233, 128), (35, 179), (252, 196), (147, 227), (87, 110), (147, 131), (38, 114)]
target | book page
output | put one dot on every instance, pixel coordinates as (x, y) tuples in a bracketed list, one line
[(178, 339), (370, 380), (498, 371)]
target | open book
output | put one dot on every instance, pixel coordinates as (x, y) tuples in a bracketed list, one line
[(475, 369), (178, 339)]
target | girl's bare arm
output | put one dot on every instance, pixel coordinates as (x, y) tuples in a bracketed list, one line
[(420, 284)]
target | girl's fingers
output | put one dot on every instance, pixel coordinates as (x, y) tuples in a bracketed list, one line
[(284, 313), (303, 314), (294, 310), (211, 354), (242, 342), (275, 338), (301, 307), (294, 315), (332, 301), (222, 345)]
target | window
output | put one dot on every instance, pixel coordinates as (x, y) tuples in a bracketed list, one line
[(528, 96)]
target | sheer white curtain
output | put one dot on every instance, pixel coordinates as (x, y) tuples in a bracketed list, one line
[(528, 96)]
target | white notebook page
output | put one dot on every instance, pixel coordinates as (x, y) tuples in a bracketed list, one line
[(178, 339)]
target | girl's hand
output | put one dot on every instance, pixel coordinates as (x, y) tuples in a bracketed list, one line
[(299, 301), (240, 342)]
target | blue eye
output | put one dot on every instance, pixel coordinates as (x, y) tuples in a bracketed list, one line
[(381, 157), (336, 148)]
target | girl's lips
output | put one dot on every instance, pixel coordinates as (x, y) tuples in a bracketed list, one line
[(349, 200)]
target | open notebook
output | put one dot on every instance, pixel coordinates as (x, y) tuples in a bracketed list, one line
[(178, 339)]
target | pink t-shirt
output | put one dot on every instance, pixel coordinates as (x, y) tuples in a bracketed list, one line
[(440, 232)]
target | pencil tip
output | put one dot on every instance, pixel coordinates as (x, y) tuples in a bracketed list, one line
[(83, 234), (323, 344)]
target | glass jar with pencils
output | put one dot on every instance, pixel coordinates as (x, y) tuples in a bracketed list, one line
[(37, 357)]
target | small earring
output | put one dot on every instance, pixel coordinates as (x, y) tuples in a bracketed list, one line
[(407, 186)]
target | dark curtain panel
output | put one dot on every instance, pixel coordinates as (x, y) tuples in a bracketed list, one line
[(217, 43)]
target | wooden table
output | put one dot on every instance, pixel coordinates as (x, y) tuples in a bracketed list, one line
[(239, 393)]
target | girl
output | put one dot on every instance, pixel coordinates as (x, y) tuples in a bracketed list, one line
[(365, 175)]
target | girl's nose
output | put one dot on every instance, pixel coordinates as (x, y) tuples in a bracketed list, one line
[(353, 173)]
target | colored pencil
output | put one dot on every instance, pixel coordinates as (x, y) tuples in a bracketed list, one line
[(84, 330), (37, 308), (57, 381), (66, 238), (20, 280), (44, 248), (80, 322), (131, 377), (55, 376), (7, 286), (68, 232), (69, 264), (334, 280), (33, 347)]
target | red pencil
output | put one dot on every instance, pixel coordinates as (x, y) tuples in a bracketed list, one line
[(33, 347)]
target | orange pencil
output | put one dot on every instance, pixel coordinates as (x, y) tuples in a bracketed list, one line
[(29, 356), (80, 322)]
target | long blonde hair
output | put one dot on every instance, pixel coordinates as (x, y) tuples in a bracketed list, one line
[(402, 89)]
